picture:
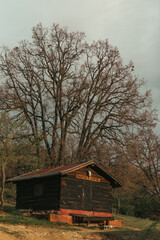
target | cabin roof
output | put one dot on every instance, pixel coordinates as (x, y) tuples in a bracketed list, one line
[(61, 170)]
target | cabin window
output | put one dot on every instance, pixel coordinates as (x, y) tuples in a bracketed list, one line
[(38, 189)]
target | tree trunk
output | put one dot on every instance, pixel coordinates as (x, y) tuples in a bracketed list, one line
[(61, 153), (2, 184), (118, 205)]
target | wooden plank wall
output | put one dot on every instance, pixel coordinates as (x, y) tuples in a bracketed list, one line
[(101, 197), (73, 195), (68, 192), (50, 199)]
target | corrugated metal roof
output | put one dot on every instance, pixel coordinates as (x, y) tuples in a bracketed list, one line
[(46, 172)]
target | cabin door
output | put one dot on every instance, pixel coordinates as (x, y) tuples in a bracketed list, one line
[(87, 195)]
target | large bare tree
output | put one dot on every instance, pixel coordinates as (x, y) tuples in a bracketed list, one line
[(68, 90), (143, 151), (8, 128)]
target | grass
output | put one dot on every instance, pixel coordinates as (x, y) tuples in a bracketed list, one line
[(15, 217), (140, 223), (139, 229), (148, 229)]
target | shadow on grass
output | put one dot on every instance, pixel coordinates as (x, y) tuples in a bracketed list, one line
[(127, 234), (15, 217), (19, 219), (151, 231)]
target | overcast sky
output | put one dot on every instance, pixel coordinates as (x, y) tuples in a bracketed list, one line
[(131, 25)]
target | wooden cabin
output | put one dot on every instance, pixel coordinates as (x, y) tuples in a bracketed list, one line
[(82, 189)]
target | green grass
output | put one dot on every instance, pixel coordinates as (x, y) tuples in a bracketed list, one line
[(149, 230), (140, 223), (15, 217)]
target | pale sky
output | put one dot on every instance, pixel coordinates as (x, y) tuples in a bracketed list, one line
[(131, 25)]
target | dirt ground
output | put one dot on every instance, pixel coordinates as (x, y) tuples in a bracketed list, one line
[(22, 232)]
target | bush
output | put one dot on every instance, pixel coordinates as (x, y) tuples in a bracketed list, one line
[(10, 193), (127, 210), (138, 204)]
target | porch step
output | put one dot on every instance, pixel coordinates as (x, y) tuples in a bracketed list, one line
[(79, 218)]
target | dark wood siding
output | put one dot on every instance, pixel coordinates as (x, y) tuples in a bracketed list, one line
[(83, 171), (75, 190), (80, 194), (87, 196), (49, 199), (101, 197), (71, 193)]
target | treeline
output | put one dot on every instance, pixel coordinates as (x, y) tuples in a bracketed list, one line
[(138, 203), (63, 100)]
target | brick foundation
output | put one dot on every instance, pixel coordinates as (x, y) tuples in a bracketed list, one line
[(115, 223), (61, 218)]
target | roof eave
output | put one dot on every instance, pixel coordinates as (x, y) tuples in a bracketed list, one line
[(117, 182), (14, 180), (77, 167)]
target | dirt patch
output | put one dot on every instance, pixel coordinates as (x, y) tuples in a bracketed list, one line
[(22, 232), (134, 229)]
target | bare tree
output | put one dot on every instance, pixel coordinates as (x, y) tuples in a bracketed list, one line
[(7, 128), (42, 83), (144, 153), (68, 89)]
